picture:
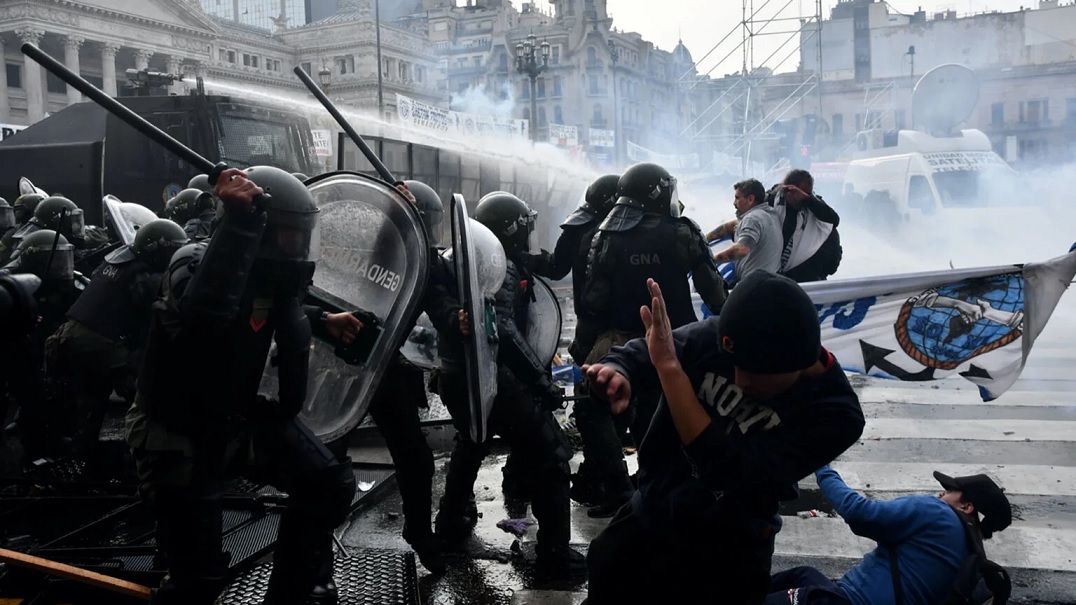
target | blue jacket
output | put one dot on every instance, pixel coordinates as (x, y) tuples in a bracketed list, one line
[(927, 534)]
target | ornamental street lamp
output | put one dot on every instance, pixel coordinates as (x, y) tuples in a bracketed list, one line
[(325, 77), (531, 60), (614, 56)]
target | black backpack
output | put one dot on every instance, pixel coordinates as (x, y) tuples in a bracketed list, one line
[(979, 581)]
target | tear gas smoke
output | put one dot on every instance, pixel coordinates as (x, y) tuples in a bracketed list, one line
[(477, 101)]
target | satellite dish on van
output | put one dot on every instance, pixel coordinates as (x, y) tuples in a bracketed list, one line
[(944, 97)]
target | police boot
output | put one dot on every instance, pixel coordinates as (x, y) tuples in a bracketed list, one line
[(415, 491), (515, 484), (617, 490), (586, 487), (189, 537), (458, 513), (302, 565), (551, 507), (427, 547)]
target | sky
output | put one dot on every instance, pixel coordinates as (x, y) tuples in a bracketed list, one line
[(702, 25)]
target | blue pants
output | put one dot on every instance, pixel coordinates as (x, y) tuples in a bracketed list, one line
[(804, 586)]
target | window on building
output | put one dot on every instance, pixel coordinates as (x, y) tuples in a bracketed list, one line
[(1034, 111), (1070, 105), (556, 86), (541, 117), (592, 55), (502, 62), (54, 84), (14, 75), (838, 125), (250, 60), (440, 27), (558, 114), (997, 114), (541, 88), (899, 119), (306, 68), (554, 56), (97, 81), (597, 117), (527, 113), (420, 74), (526, 89), (401, 70), (593, 85), (476, 61)]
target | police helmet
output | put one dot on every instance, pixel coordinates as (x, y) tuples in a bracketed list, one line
[(45, 255), (291, 233), (200, 182), (188, 204), (510, 219), (25, 205), (650, 187), (431, 208), (7, 215), (61, 214), (602, 194), (154, 244)]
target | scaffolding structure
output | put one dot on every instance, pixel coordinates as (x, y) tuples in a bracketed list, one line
[(747, 105)]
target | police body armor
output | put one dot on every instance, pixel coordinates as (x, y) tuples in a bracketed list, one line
[(106, 306), (647, 250)]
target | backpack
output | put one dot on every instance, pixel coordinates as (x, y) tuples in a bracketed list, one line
[(979, 581)]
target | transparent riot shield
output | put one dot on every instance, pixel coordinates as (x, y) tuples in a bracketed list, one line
[(374, 257), (124, 218), (26, 186), (473, 270), (543, 321)]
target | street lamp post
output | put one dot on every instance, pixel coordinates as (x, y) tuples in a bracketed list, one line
[(614, 56), (532, 59), (325, 76)]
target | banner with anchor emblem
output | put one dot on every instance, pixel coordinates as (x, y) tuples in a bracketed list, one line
[(978, 323)]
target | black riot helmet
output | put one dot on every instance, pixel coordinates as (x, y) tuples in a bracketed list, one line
[(154, 244), (7, 215), (510, 219), (602, 194), (47, 256), (60, 214), (201, 183), (25, 205), (291, 233), (188, 204), (649, 187), (431, 208)]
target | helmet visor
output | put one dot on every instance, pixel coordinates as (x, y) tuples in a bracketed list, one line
[(7, 218), (46, 264), (674, 196), (76, 221), (529, 223), (292, 236)]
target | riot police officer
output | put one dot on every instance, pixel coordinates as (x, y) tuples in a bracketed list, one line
[(570, 254), (521, 411), (192, 209), (224, 303), (643, 237), (23, 211), (98, 350), (47, 255), (395, 409), (7, 217)]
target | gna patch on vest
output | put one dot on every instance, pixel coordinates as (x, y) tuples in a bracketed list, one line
[(110, 271), (644, 258), (353, 261)]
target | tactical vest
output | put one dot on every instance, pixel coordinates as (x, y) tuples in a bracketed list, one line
[(193, 377), (649, 250), (107, 306), (579, 265)]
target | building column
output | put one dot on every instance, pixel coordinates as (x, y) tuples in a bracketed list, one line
[(31, 76), (5, 104), (175, 68), (142, 59), (71, 46), (108, 68)]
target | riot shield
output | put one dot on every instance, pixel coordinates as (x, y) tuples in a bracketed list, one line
[(124, 218), (543, 321), (374, 257), (26, 186), (480, 353)]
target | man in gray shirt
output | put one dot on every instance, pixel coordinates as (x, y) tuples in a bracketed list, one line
[(756, 230)]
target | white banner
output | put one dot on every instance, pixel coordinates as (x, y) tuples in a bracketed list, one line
[(978, 323), (602, 138), (323, 143), (7, 130), (563, 136), (423, 115), (637, 153)]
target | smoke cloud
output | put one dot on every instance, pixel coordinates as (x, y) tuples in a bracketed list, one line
[(477, 101)]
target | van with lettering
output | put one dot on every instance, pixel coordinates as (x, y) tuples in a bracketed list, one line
[(895, 177)]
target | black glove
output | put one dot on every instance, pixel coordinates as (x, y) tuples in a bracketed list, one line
[(360, 350), (550, 395)]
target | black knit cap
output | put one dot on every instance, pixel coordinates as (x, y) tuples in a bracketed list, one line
[(769, 325)]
